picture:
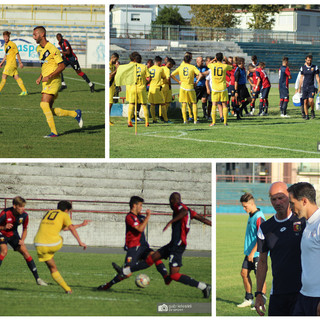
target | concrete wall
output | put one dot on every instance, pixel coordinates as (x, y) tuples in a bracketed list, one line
[(115, 182)]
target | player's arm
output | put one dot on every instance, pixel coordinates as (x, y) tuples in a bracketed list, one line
[(112, 74), (60, 68), (7, 226), (143, 225), (300, 82), (208, 87), (3, 61), (255, 248), (175, 79), (261, 275), (76, 226), (202, 219), (258, 83), (20, 62), (183, 212), (23, 236), (75, 234), (318, 80)]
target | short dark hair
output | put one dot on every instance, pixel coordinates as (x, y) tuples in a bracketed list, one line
[(43, 29), (254, 57), (303, 190), (309, 56), (171, 61), (135, 200), (64, 205), (246, 197), (137, 58), (285, 59), (59, 34), (116, 55), (157, 59), (150, 61), (132, 55), (187, 58), (175, 195), (262, 64), (219, 56), (18, 201), (6, 33)]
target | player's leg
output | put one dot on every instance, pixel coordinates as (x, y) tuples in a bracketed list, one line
[(3, 81), (153, 112), (204, 105), (311, 103), (184, 112), (76, 67), (46, 100), (24, 91), (195, 112), (306, 111), (225, 112), (247, 283), (213, 112), (3, 249), (63, 84)]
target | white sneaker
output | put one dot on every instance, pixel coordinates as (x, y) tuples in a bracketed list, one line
[(286, 116), (282, 115), (40, 282), (245, 303)]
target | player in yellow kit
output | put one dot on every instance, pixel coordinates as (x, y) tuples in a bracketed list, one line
[(187, 93), (142, 77), (112, 72), (48, 240), (219, 86), (11, 52), (52, 66), (155, 95), (166, 89)]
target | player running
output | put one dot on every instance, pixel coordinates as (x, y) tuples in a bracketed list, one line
[(180, 222), (51, 67), (70, 58), (11, 52), (48, 241), (136, 245), (284, 77), (10, 219)]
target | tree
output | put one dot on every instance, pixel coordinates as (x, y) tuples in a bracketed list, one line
[(214, 16), (169, 15)]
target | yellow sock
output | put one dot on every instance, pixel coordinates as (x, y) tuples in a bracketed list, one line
[(59, 280), (164, 112), (195, 112), (225, 115), (2, 83), (130, 112), (21, 85), (64, 113), (146, 113), (213, 113), (49, 116), (190, 111), (153, 112), (184, 111)]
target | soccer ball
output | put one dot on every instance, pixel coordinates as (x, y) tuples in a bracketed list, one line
[(142, 280)]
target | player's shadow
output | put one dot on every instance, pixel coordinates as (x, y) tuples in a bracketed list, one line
[(226, 301), (8, 289), (87, 130), (99, 90)]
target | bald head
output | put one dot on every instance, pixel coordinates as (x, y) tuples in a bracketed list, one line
[(199, 61), (279, 198), (278, 187)]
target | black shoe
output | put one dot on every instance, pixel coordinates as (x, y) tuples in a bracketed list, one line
[(221, 119), (207, 291), (92, 88), (307, 117), (167, 280), (63, 87), (118, 269), (103, 287), (154, 121), (312, 114), (303, 115)]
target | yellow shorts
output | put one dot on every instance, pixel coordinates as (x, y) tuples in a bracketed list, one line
[(10, 70), (141, 94), (46, 253), (52, 86), (155, 96), (187, 96), (112, 90), (167, 93), (219, 96)]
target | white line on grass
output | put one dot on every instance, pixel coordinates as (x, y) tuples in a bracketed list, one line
[(179, 137), (101, 84)]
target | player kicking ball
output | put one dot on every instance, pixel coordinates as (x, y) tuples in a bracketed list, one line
[(10, 219), (174, 249)]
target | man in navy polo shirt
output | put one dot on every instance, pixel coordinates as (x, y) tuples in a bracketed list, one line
[(201, 90)]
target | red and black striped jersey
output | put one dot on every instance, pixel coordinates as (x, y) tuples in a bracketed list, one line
[(64, 46), (7, 216), (134, 238)]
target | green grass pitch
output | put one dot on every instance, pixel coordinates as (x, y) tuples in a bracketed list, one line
[(23, 124), (229, 286), (253, 137), (83, 272)]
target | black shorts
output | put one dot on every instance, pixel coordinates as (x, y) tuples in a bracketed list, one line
[(73, 62), (306, 306), (231, 90), (250, 265), (243, 92), (201, 92), (174, 253), (13, 241), (255, 94), (282, 304), (308, 92), (135, 254), (265, 93), (284, 93)]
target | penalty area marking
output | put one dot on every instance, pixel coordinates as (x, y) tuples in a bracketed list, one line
[(182, 134), (101, 84)]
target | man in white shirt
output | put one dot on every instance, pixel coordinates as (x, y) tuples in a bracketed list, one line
[(302, 197)]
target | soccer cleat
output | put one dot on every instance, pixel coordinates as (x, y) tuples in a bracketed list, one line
[(130, 124), (23, 93), (51, 135), (246, 303), (167, 280), (147, 124), (111, 123), (282, 115), (307, 117), (168, 121), (154, 121), (63, 86), (221, 119), (118, 270), (79, 118), (312, 114), (225, 124), (69, 292), (206, 292), (103, 287), (92, 88), (190, 119), (286, 116), (212, 124), (40, 282)]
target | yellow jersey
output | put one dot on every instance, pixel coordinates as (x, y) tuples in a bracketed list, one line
[(156, 75), (186, 73), (218, 75), (165, 82), (50, 57), (142, 74), (112, 68), (11, 51), (50, 226)]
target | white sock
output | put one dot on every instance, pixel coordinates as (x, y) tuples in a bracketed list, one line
[(126, 271), (202, 285)]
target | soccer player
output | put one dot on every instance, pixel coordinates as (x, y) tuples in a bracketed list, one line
[(155, 95), (263, 80), (280, 237), (252, 78), (112, 86), (302, 197), (70, 58), (166, 89), (219, 86), (11, 52), (284, 77), (180, 222), (250, 262), (10, 219), (308, 72), (201, 90), (48, 241), (136, 245), (143, 76), (187, 92), (52, 66)]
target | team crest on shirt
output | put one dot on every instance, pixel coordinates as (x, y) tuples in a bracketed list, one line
[(8, 48), (20, 220), (297, 226), (45, 55), (312, 69), (129, 259), (1, 239)]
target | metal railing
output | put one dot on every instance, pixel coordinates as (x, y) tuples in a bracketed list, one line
[(244, 178)]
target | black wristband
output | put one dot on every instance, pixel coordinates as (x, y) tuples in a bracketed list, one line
[(258, 292)]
